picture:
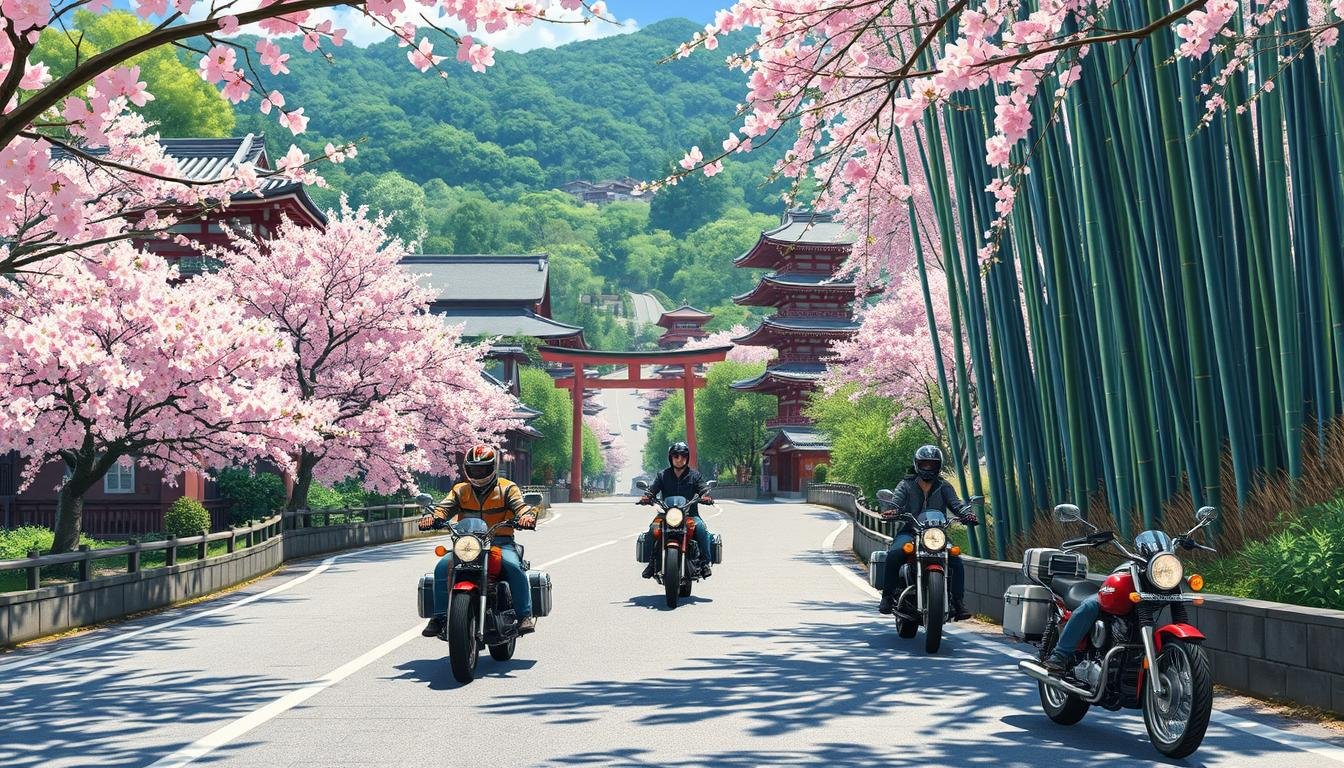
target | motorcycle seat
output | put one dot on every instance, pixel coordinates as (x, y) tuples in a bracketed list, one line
[(1073, 591)]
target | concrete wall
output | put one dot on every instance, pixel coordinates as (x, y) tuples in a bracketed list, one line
[(1266, 649), (734, 491)]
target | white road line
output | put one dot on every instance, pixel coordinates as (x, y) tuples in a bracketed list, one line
[(550, 519), (1270, 733), (222, 736), (42, 658)]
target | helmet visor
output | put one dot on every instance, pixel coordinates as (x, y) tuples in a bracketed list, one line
[(480, 471), (929, 466)]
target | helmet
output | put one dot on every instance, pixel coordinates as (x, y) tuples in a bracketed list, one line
[(481, 464), (928, 462), (678, 448)]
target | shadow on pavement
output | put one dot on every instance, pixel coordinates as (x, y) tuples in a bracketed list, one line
[(660, 602), (438, 675)]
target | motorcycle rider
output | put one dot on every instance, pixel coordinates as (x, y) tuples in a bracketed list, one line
[(922, 489), (680, 480), (493, 499), (1075, 629)]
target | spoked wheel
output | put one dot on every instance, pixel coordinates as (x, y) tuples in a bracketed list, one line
[(1061, 707), (463, 652), (672, 576), (934, 613), (503, 651), (1177, 719)]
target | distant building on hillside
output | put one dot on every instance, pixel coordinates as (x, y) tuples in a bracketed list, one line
[(608, 191)]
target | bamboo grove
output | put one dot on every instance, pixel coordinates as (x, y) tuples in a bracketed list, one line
[(1167, 297)]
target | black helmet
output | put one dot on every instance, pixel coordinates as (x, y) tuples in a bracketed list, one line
[(481, 464), (928, 462), (678, 448)]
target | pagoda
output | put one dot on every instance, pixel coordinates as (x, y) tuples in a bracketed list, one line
[(683, 324), (811, 312)]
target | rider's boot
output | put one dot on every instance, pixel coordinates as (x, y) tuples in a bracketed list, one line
[(887, 604), (1055, 664), (434, 628), (527, 626), (959, 611), (649, 569), (705, 570)]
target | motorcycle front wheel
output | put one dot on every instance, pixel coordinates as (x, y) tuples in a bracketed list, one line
[(672, 576), (934, 612), (1176, 720), (462, 650)]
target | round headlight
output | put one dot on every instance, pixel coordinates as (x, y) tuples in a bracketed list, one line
[(1166, 571), (467, 549), (675, 517), (933, 538)]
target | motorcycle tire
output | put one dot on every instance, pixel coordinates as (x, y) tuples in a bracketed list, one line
[(463, 652), (906, 628), (1061, 707), (935, 612), (503, 651), (1176, 723), (672, 576)]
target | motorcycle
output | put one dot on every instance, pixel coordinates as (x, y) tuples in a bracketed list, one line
[(1129, 659), (674, 548), (480, 604), (923, 599)]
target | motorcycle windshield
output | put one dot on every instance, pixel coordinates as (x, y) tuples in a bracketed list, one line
[(675, 501), (472, 525), (1150, 543), (932, 517)]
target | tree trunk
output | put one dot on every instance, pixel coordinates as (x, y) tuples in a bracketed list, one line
[(70, 507), (303, 480)]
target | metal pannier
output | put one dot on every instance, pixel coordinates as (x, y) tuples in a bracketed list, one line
[(1026, 609), (425, 596), (540, 582), (877, 569)]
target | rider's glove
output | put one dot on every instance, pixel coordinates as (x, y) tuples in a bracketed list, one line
[(969, 518), (426, 522), (706, 500), (645, 501), (528, 522)]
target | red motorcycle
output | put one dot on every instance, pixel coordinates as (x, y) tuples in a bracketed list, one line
[(673, 547), (1131, 658)]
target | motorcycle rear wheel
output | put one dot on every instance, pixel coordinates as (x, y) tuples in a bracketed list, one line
[(672, 576), (685, 590), (1177, 721), (463, 653), (503, 651), (1061, 707)]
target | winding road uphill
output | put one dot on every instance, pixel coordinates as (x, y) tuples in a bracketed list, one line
[(779, 659)]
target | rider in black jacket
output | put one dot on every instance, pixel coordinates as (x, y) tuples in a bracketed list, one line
[(680, 480), (920, 490)]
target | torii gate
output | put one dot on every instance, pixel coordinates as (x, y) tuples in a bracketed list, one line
[(576, 384)]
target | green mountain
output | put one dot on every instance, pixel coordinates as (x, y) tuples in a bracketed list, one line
[(594, 109)]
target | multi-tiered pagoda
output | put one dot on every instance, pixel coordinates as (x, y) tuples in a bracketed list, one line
[(683, 324), (803, 252)]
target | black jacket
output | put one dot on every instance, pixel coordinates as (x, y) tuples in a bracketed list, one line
[(690, 485), (910, 499)]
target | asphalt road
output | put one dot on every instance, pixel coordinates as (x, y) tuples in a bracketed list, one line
[(647, 308), (780, 659)]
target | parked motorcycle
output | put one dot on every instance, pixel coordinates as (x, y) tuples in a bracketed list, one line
[(1129, 660), (923, 599), (480, 605), (674, 548)]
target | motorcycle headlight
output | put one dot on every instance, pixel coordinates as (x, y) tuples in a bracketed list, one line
[(1166, 571), (934, 539), (467, 549), (675, 517)]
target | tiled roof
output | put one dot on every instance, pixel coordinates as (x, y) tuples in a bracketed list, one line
[(482, 278)]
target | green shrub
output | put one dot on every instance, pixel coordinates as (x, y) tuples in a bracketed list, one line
[(323, 497), (820, 473), (187, 517), (15, 544), (1302, 565), (251, 497)]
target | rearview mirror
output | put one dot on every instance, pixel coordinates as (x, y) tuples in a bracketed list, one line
[(976, 500), (885, 494), (532, 499), (1068, 513), (1206, 515), (424, 500), (642, 485), (711, 483)]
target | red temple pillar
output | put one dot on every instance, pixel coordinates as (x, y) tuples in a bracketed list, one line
[(576, 456), (688, 392)]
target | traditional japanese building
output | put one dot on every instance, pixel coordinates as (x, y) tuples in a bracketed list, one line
[(803, 252), (683, 324)]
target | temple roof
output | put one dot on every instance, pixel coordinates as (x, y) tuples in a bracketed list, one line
[(798, 228), (771, 327), (785, 374), (482, 278), (778, 285), (506, 321), (798, 438)]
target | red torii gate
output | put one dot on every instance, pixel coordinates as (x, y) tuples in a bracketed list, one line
[(576, 384)]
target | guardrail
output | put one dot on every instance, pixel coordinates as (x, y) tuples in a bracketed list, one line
[(322, 517), (1273, 650)]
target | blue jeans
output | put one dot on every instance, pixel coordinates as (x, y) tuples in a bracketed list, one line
[(701, 537), (1077, 627), (513, 574), (956, 581)]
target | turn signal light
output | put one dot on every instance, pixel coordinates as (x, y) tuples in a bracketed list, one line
[(1134, 597), (1195, 581), (909, 548), (1145, 662), (440, 550), (955, 551), (1197, 601)]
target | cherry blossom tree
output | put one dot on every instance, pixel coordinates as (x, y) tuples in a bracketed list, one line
[(114, 359), (403, 393), (740, 353), (613, 457)]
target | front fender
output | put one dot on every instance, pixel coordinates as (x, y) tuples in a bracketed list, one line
[(466, 586), (1178, 631)]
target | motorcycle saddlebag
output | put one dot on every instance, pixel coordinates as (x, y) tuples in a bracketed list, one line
[(425, 596), (540, 582), (1026, 609), (643, 548), (1043, 564), (877, 569), (716, 548)]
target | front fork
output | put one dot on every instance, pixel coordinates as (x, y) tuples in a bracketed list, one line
[(1150, 652), (920, 602)]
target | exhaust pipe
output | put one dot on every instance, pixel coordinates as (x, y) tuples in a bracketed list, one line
[(1034, 669)]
